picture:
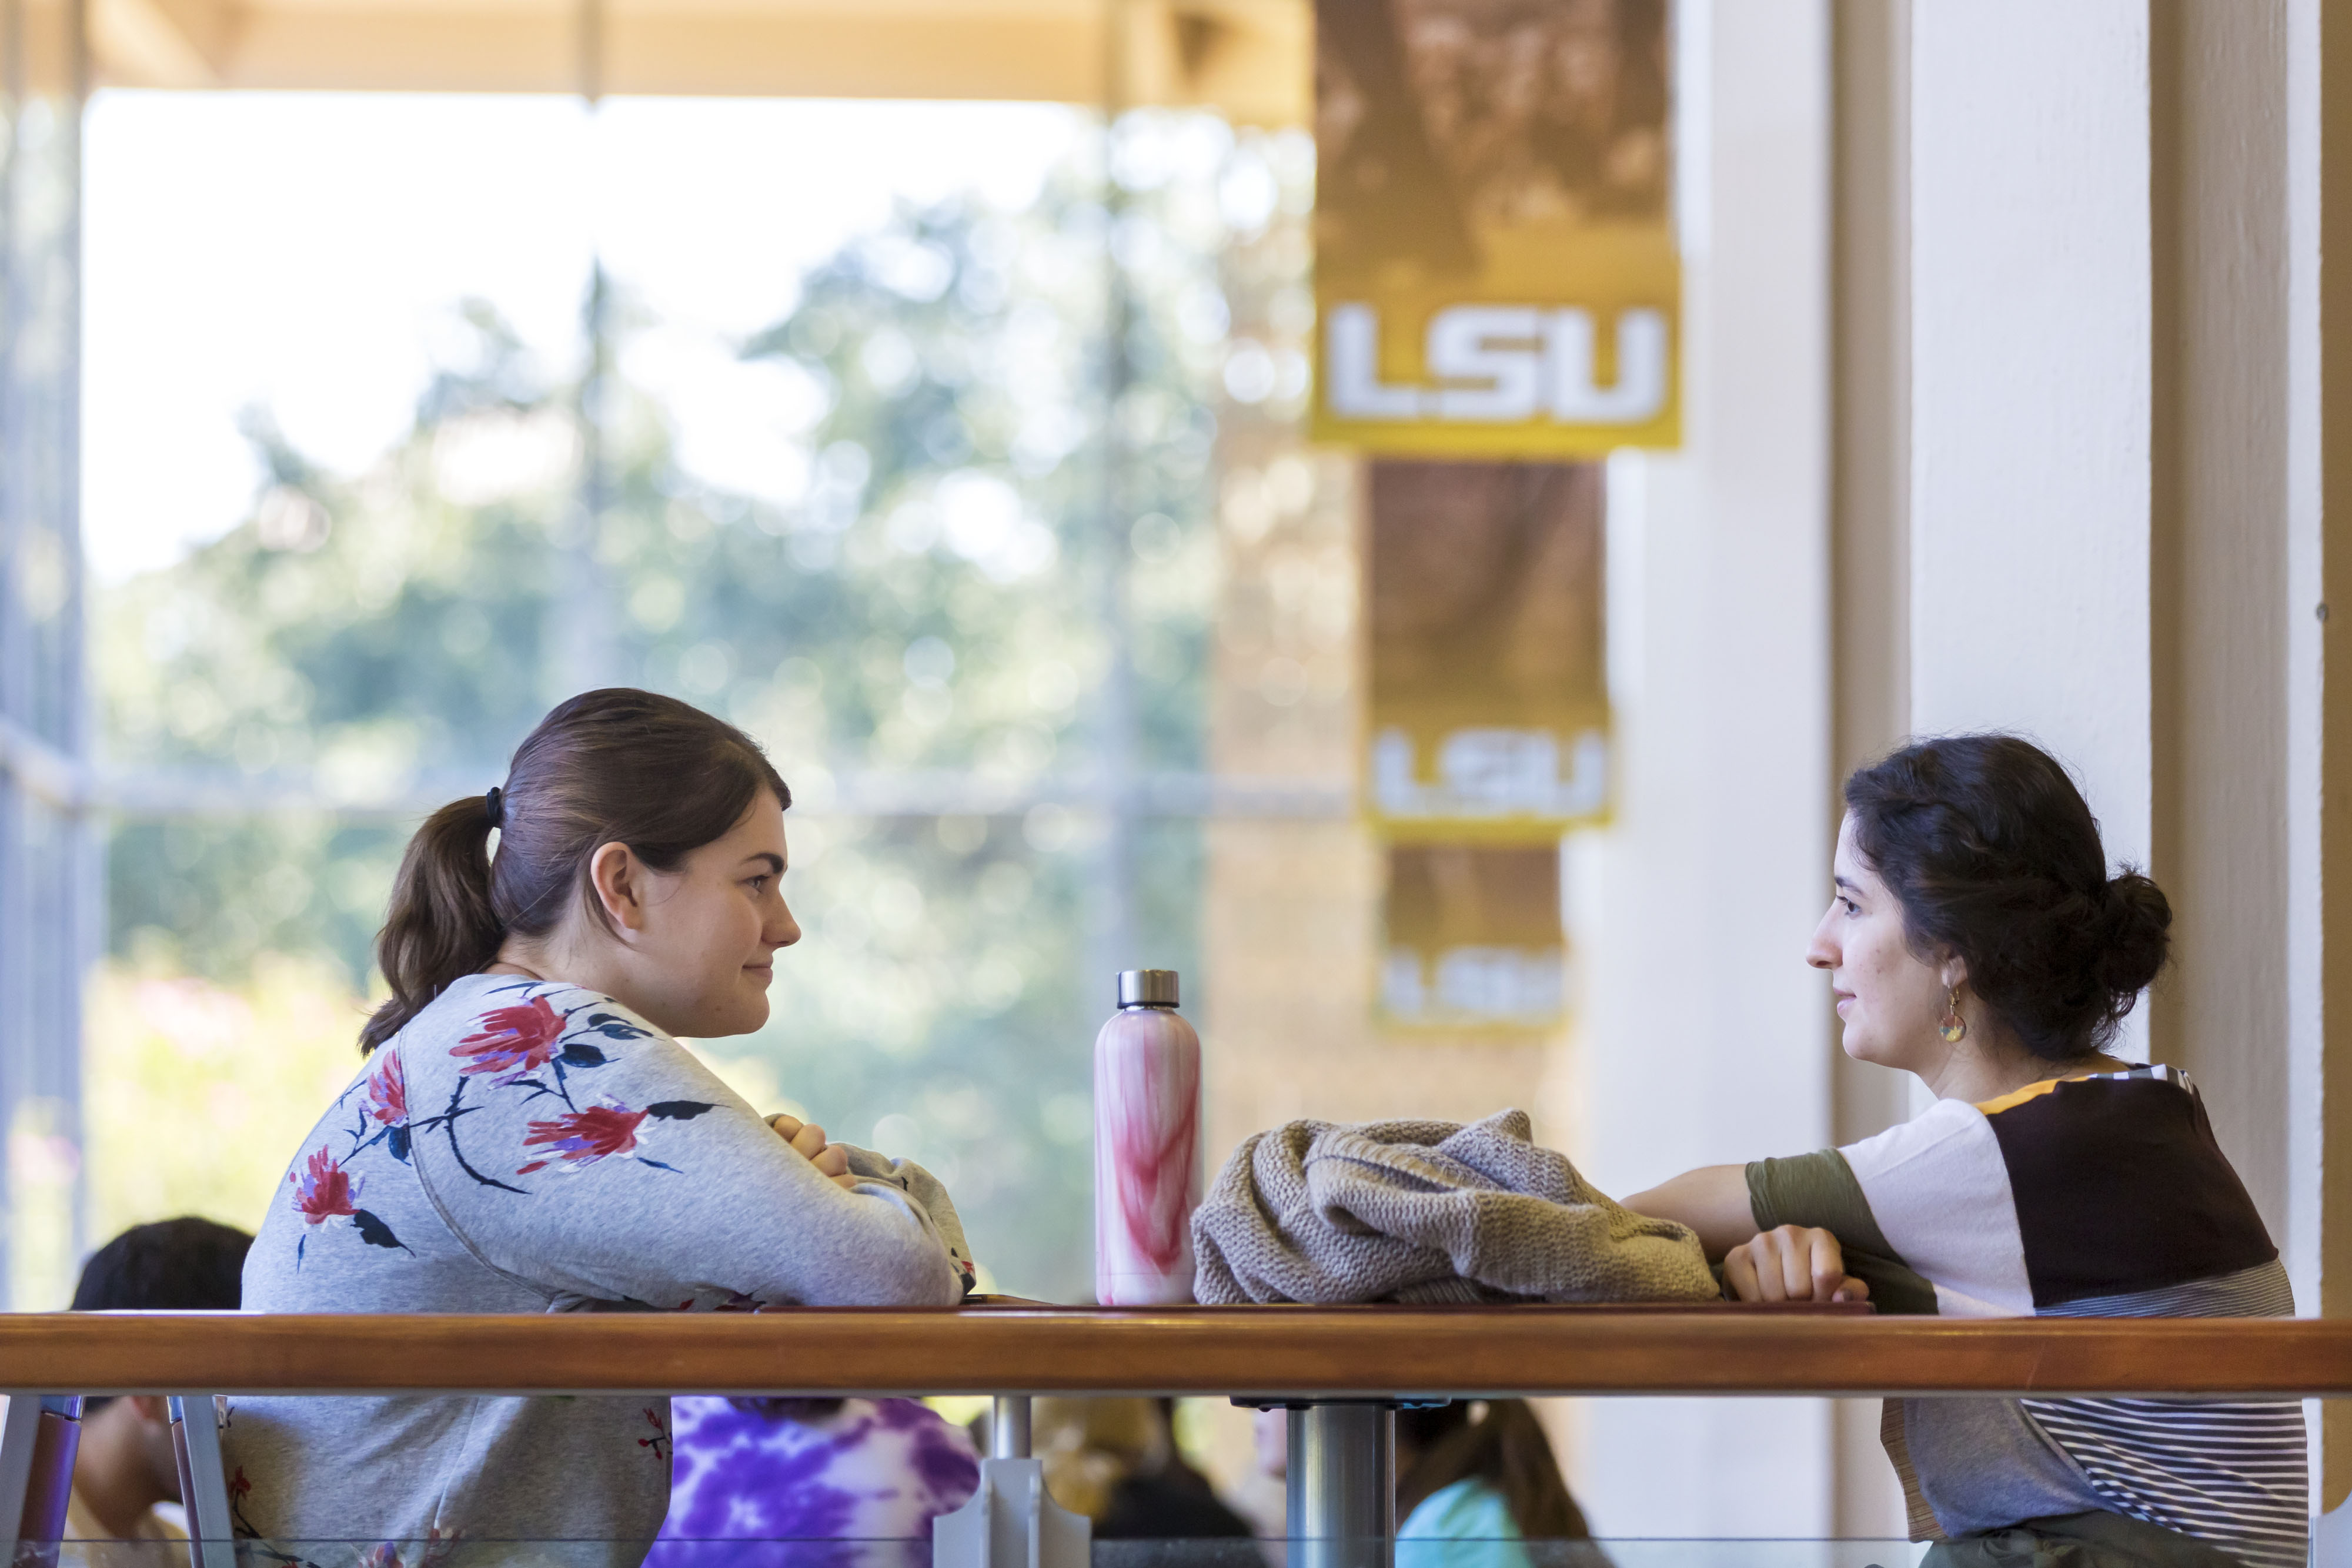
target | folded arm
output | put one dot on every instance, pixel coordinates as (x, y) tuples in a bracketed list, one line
[(610, 1164)]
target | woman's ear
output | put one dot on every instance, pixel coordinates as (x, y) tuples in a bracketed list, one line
[(620, 882), (1952, 973)]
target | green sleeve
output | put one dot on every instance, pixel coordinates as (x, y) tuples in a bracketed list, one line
[(1820, 1191)]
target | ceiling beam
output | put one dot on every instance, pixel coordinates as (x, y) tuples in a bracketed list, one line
[(1247, 58), (163, 43)]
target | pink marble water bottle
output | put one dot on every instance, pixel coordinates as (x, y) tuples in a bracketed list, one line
[(1147, 1145)]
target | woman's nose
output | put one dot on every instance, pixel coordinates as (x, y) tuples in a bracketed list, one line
[(1822, 953), (783, 930)]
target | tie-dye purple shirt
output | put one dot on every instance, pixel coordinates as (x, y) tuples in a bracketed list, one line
[(876, 1472)]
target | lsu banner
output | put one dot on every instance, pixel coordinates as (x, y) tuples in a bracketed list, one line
[(1495, 265), (1488, 692), (1470, 938)]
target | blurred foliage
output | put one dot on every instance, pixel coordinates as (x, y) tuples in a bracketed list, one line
[(199, 1091), (915, 583)]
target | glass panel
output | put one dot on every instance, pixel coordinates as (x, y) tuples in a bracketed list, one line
[(915, 1553), (333, 344), (49, 848)]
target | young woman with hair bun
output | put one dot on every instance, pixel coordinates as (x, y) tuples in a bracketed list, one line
[(527, 1135), (1976, 939)]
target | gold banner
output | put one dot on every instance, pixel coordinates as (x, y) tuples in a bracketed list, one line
[(1471, 938), (1495, 267), (1488, 696)]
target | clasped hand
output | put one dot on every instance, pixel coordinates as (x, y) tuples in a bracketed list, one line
[(1792, 1263), (807, 1140)]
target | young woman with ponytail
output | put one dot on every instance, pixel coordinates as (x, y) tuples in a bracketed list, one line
[(527, 1135), (1976, 940)]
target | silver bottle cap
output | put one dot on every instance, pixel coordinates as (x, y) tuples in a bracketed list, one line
[(1146, 987)]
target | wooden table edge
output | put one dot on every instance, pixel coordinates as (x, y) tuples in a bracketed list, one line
[(1301, 1352)]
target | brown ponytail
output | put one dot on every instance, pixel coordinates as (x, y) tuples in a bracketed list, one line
[(618, 765)]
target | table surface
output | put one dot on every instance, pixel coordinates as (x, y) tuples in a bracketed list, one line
[(1258, 1352)]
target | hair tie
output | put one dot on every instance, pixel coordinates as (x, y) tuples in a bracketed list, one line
[(495, 803)]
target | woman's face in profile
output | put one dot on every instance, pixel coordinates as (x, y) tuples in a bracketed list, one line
[(711, 930), (1888, 1000)]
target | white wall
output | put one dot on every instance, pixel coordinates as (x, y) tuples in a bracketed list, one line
[(1706, 1039), (2030, 392), (2311, 1217)]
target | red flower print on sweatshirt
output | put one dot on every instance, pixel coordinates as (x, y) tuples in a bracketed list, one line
[(323, 1190), (387, 1090), (512, 1041), (659, 1441), (584, 1137)]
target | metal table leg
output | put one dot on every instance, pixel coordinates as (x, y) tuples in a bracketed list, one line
[(1008, 1428), (1011, 1521), (1342, 1486), (203, 1480), (37, 1459), (19, 1435)]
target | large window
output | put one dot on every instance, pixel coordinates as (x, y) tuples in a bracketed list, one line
[(887, 430)]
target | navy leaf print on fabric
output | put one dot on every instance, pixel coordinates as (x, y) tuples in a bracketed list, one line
[(614, 1027), (447, 1122), (677, 1110), (375, 1232), (579, 1054), (398, 1142)]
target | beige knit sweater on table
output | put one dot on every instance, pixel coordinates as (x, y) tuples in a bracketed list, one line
[(1428, 1211)]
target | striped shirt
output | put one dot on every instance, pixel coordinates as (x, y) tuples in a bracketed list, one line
[(2100, 1195)]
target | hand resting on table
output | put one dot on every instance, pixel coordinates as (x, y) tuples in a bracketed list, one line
[(1791, 1263)]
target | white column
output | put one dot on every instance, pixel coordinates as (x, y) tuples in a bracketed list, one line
[(2318, 1240), (2029, 393), (1706, 1038)]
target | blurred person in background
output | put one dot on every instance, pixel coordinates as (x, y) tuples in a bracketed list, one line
[(1116, 1461), (126, 1479), (1270, 1456), (869, 1474), (1476, 1481)]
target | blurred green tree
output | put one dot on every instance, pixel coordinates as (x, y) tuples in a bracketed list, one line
[(916, 603)]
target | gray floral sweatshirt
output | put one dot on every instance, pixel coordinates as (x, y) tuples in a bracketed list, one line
[(528, 1147)]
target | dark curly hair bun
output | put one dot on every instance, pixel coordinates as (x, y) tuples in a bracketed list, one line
[(2139, 924), (1993, 855)]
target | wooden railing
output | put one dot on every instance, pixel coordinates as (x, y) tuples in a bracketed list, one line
[(1307, 1353), (1333, 1366)]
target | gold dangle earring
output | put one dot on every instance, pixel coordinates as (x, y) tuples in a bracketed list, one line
[(1954, 1029)]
